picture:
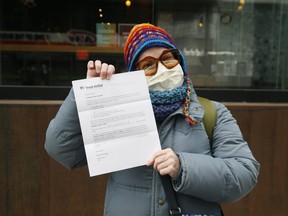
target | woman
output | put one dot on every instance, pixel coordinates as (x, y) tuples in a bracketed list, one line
[(202, 174)]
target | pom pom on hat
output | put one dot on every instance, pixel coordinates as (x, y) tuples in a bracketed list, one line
[(144, 36)]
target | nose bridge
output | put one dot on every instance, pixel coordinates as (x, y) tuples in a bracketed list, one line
[(160, 65), (159, 59)]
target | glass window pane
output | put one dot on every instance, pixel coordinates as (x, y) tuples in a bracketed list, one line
[(228, 44)]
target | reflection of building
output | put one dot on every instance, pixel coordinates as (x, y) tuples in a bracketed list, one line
[(205, 31), (72, 37)]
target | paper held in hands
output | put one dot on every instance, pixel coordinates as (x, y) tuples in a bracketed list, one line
[(117, 122)]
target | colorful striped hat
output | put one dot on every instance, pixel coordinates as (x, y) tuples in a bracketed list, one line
[(144, 36)]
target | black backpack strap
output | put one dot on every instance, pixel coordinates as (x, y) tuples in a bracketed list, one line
[(174, 208)]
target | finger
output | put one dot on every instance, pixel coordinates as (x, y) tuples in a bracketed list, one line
[(110, 71), (151, 160), (90, 69), (157, 155), (167, 164), (103, 73), (98, 66), (163, 152), (163, 161), (90, 65), (166, 171), (159, 165)]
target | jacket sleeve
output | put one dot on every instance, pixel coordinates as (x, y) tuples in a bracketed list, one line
[(64, 140), (227, 176)]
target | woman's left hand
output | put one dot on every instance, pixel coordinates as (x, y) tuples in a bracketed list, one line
[(165, 162)]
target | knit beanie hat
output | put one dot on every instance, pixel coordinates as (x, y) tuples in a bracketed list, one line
[(142, 37)]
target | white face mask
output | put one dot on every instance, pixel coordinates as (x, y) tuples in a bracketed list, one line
[(166, 79)]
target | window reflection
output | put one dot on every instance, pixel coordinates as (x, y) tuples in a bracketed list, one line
[(228, 44)]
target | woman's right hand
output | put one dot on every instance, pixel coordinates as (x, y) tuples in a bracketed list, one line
[(99, 69)]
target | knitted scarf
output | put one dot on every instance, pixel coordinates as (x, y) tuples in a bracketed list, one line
[(166, 102)]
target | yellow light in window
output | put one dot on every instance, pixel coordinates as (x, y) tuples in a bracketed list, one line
[(241, 5), (128, 3)]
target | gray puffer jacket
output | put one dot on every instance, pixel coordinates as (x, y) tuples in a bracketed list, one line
[(221, 174)]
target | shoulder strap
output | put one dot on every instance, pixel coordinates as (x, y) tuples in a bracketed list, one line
[(209, 119)]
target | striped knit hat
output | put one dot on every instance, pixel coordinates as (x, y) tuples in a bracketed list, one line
[(144, 36)]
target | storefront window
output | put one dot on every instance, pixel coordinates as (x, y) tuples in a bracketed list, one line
[(227, 43), (234, 44), (48, 43)]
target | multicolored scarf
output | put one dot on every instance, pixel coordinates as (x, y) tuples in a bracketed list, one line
[(166, 102)]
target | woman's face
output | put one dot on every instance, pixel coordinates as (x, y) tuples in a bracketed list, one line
[(162, 69)]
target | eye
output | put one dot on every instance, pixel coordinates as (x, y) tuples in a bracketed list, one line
[(167, 57), (147, 64)]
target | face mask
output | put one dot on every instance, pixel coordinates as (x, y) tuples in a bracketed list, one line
[(166, 79)]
